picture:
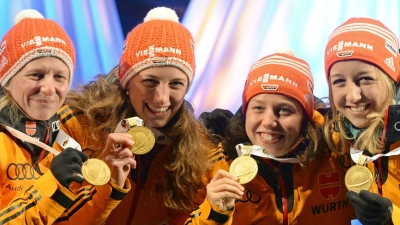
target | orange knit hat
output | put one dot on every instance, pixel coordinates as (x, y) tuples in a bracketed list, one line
[(364, 39), (159, 41), (281, 73), (32, 37)]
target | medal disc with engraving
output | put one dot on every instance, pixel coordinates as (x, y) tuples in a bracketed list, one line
[(96, 172), (245, 168), (358, 178), (144, 139)]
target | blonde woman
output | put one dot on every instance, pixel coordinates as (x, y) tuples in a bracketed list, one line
[(362, 64)]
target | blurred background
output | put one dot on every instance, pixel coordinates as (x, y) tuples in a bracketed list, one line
[(229, 35)]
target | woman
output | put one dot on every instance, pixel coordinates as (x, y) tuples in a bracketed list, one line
[(362, 68), (297, 182), (154, 74), (37, 60)]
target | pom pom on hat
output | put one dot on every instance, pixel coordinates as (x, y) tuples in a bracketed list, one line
[(281, 73), (161, 13), (285, 50), (30, 38), (27, 13), (159, 41), (367, 40)]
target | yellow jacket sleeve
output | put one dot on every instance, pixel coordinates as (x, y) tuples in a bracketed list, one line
[(42, 203), (205, 214), (28, 197), (94, 203)]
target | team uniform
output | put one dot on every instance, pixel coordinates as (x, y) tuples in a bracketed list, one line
[(286, 193), (383, 54), (29, 191), (144, 204), (385, 169)]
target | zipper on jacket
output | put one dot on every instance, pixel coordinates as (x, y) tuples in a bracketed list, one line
[(282, 188), (46, 141), (137, 191), (378, 165)]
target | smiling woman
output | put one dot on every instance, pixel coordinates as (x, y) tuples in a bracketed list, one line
[(279, 129), (157, 93), (274, 122), (40, 87), (356, 90), (363, 78), (35, 79), (38, 60), (155, 72)]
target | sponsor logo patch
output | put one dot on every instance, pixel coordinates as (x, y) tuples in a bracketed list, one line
[(270, 87), (345, 53)]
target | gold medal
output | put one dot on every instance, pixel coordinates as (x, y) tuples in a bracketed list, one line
[(358, 177), (96, 172), (144, 139), (244, 167)]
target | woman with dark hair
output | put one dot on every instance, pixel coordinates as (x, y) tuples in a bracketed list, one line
[(276, 138)]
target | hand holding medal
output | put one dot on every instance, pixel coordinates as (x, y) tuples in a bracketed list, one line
[(130, 138), (97, 172), (142, 136), (223, 190), (94, 171), (244, 167)]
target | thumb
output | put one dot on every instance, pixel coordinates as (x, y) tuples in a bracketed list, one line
[(375, 200)]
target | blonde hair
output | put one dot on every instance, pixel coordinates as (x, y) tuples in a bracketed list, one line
[(104, 103), (9, 107), (370, 138)]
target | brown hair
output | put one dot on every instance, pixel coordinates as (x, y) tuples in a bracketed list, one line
[(9, 107), (104, 103), (311, 138)]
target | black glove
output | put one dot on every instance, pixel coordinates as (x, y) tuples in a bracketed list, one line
[(67, 166), (216, 121), (370, 208)]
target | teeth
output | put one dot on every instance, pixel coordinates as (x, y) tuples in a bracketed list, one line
[(160, 109), (269, 137), (358, 109)]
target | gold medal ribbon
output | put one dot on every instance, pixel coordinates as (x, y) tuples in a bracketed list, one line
[(122, 127), (259, 151), (90, 168), (355, 154)]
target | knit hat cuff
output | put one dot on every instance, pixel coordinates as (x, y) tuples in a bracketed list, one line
[(157, 61), (364, 39), (34, 54)]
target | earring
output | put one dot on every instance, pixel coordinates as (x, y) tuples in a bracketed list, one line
[(127, 92)]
